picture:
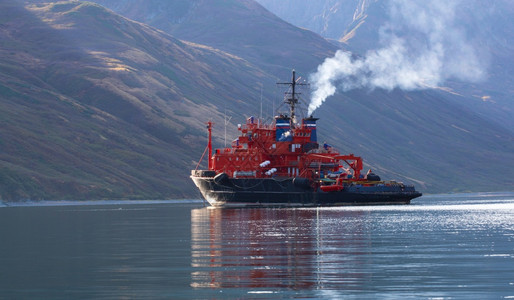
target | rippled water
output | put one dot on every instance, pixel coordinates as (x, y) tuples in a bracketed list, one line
[(445, 246)]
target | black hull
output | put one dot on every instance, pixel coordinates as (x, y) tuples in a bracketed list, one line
[(266, 192)]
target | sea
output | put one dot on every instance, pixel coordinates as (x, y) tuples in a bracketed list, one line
[(452, 246)]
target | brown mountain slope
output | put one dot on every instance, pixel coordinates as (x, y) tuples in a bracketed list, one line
[(94, 105), (241, 27), (487, 26), (430, 138)]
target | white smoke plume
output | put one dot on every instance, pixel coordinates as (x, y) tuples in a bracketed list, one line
[(423, 47)]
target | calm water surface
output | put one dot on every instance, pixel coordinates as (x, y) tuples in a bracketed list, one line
[(444, 246)]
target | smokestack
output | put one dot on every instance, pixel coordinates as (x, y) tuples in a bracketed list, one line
[(283, 129), (311, 124)]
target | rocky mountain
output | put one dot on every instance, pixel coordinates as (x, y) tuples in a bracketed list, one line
[(94, 105), (487, 26), (338, 20), (97, 105), (440, 111), (241, 27)]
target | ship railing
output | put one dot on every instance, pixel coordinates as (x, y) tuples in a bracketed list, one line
[(322, 150), (380, 182), (258, 126), (362, 181)]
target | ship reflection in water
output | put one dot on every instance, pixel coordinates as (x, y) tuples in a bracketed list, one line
[(447, 247), (277, 248)]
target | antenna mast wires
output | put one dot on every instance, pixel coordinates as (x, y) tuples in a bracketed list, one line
[(291, 98)]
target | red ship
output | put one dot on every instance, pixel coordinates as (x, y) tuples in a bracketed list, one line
[(282, 164)]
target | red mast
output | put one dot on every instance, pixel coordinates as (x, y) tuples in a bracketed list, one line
[(209, 145)]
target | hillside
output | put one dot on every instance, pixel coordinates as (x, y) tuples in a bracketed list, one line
[(94, 105), (338, 20), (444, 145), (421, 138), (487, 26), (241, 27)]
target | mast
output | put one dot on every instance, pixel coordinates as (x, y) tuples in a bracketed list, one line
[(209, 145), (292, 100)]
